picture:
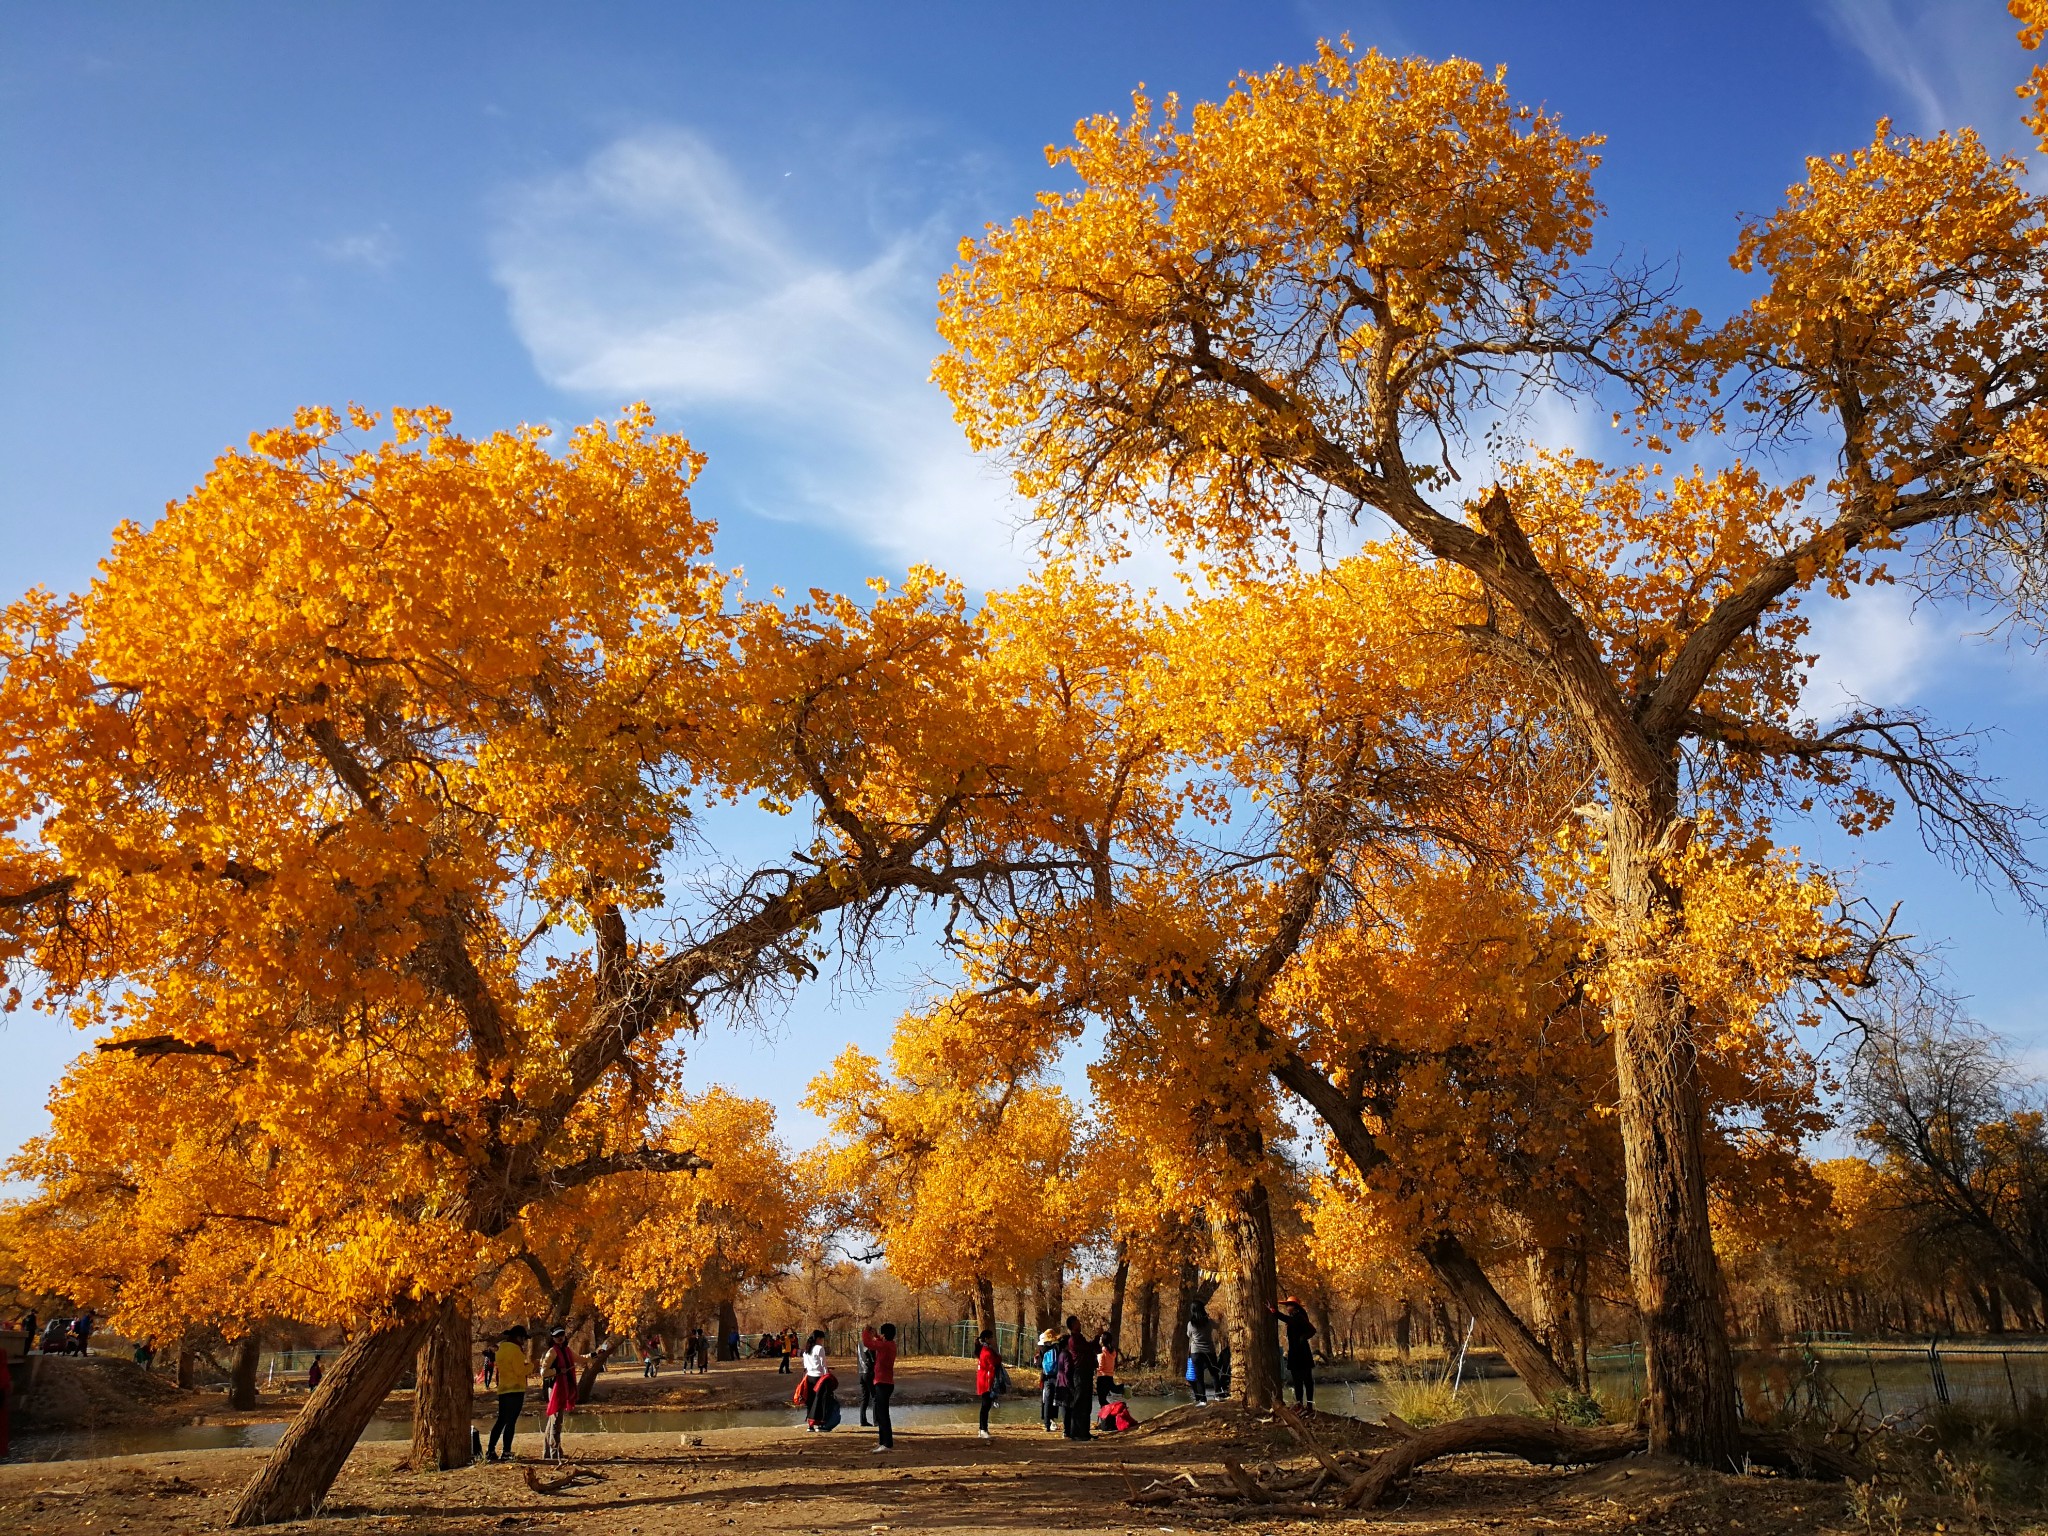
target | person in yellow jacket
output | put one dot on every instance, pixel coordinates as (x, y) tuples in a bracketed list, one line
[(511, 1363)]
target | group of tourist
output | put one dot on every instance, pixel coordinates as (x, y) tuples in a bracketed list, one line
[(1078, 1392), (1077, 1386), (777, 1346), (508, 1373), (875, 1366), (60, 1336)]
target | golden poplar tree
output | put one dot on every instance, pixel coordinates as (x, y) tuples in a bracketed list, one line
[(1283, 310), (353, 782)]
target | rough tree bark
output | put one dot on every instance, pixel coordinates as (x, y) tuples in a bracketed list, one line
[(1148, 1320), (302, 1468), (1185, 1293), (442, 1405), (242, 1378), (985, 1304), (728, 1329), (188, 1366), (1247, 1235), (1691, 1371), (1119, 1284), (1556, 1285)]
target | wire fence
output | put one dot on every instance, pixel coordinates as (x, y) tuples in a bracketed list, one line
[(1877, 1381)]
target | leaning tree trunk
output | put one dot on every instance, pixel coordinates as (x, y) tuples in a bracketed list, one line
[(1692, 1389), (728, 1329), (1455, 1269), (309, 1455), (593, 1366), (1247, 1233), (1460, 1274), (442, 1405), (188, 1369), (1119, 1284), (242, 1378)]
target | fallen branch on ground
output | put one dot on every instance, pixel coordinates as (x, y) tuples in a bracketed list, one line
[(1502, 1434), (575, 1477), (1533, 1440)]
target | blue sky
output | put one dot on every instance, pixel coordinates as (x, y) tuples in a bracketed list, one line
[(218, 212)]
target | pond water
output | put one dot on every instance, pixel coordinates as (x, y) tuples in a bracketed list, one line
[(1360, 1399)]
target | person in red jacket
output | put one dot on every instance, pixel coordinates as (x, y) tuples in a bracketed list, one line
[(561, 1398), (881, 1349), (986, 1364)]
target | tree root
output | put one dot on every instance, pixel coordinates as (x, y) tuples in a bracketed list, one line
[(1533, 1440), (1504, 1434)]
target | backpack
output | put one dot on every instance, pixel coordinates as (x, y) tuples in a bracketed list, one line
[(828, 1411), (1001, 1385)]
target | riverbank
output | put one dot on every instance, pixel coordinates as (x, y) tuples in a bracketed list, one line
[(754, 1482), (74, 1396)]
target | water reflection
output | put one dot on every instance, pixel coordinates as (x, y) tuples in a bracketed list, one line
[(1361, 1399)]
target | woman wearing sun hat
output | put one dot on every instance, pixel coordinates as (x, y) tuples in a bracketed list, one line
[(1048, 1379)]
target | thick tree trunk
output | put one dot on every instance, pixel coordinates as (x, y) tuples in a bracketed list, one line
[(985, 1304), (1556, 1282), (1247, 1234), (242, 1378), (309, 1455), (188, 1366), (1319, 1313), (1148, 1320), (728, 1329), (1119, 1284), (1185, 1295), (1404, 1328), (1692, 1391), (442, 1405)]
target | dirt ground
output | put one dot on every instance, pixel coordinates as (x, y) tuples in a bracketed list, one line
[(749, 1481)]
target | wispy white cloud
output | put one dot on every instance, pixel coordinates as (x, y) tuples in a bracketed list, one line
[(655, 271), (376, 249), (1954, 63), (1876, 648)]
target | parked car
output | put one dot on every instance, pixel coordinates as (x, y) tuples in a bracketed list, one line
[(57, 1337)]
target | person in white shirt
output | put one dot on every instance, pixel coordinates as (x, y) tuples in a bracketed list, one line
[(814, 1376)]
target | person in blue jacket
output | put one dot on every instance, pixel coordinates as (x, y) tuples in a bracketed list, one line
[(1049, 1400)]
